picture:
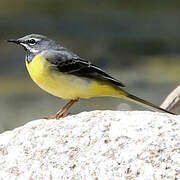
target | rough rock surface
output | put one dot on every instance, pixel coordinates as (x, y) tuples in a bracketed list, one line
[(104, 145)]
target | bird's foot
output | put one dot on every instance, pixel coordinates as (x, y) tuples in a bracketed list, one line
[(57, 116), (62, 112)]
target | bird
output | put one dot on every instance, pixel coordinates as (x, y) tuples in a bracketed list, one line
[(62, 73)]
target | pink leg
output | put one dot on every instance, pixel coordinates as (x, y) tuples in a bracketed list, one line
[(62, 112)]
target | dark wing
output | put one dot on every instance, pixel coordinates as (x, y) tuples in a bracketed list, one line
[(67, 62)]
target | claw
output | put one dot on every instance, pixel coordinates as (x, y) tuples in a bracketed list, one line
[(62, 113)]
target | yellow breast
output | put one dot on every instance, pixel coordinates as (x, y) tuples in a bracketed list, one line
[(55, 82), (63, 85)]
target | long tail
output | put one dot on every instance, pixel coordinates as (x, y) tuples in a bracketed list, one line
[(146, 104)]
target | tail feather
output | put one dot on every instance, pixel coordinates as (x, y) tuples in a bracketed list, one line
[(146, 104)]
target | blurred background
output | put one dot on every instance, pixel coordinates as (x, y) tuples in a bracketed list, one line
[(138, 42)]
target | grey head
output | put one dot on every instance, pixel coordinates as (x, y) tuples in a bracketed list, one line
[(35, 44)]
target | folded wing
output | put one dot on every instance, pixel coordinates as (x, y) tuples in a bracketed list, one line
[(67, 62)]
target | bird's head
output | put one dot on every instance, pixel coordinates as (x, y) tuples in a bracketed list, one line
[(34, 44)]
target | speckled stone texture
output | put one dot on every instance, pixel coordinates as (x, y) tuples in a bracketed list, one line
[(98, 145)]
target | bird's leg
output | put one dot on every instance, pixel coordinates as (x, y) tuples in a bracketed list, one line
[(62, 112)]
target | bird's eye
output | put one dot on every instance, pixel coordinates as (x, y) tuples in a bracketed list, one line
[(31, 41)]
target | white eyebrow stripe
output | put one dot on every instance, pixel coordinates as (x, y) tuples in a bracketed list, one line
[(36, 39)]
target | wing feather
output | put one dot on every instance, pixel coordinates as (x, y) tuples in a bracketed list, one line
[(67, 62)]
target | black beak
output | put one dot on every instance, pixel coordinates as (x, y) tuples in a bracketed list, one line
[(16, 41)]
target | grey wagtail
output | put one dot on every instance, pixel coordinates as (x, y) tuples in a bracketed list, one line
[(64, 74)]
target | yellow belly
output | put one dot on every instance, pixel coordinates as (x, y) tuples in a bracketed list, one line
[(64, 85)]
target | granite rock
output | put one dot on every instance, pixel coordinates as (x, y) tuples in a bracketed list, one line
[(107, 145)]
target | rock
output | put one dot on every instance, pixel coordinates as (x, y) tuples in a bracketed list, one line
[(94, 145)]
